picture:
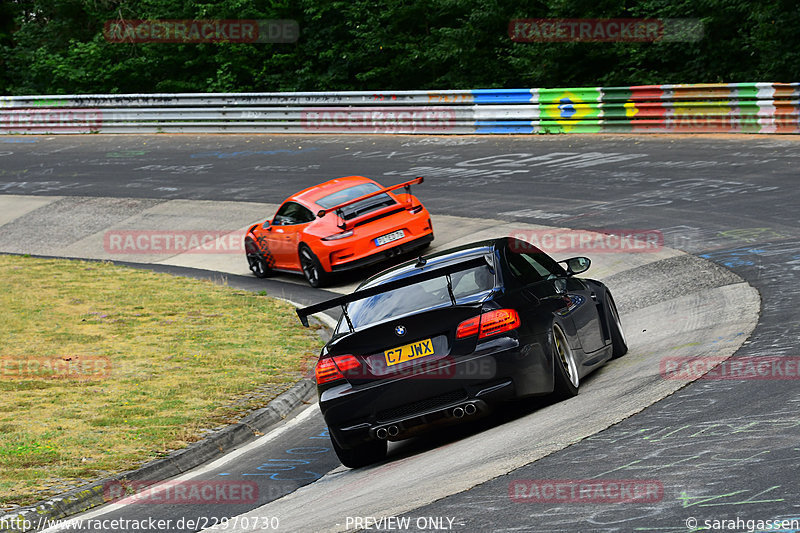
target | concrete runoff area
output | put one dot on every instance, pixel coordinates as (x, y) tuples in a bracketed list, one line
[(672, 305), (31, 232)]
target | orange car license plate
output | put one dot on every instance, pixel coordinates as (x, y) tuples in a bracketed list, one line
[(415, 350), (389, 237)]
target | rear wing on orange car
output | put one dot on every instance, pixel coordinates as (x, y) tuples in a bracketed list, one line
[(407, 185), (360, 294)]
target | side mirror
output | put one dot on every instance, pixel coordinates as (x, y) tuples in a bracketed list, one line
[(265, 225), (576, 265)]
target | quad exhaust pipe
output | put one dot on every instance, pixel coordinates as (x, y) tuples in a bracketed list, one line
[(386, 432), (468, 409)]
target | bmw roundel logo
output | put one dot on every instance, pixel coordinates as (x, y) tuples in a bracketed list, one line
[(400, 330)]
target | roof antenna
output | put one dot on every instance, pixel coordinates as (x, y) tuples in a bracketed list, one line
[(421, 262)]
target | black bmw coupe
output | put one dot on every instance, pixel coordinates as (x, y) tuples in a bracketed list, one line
[(448, 336)]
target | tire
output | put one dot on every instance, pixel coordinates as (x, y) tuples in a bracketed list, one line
[(362, 455), (312, 268), (618, 342), (256, 262), (566, 377)]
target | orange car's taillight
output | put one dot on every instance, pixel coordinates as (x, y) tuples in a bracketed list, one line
[(332, 368), (489, 323), (337, 236)]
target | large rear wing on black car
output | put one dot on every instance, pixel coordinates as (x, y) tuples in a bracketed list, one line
[(342, 301)]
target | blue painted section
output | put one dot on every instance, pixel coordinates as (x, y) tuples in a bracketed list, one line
[(738, 257), (502, 96), (567, 108), (292, 469), (486, 127)]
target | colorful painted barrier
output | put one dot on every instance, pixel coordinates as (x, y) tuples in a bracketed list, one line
[(698, 108)]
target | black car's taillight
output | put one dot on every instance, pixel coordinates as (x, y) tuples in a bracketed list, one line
[(332, 368), (489, 323)]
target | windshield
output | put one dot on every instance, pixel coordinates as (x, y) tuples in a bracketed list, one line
[(468, 286)]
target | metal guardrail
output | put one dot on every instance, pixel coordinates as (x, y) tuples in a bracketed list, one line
[(698, 108)]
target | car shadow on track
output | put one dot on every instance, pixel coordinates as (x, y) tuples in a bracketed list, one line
[(347, 280), (355, 277), (501, 414)]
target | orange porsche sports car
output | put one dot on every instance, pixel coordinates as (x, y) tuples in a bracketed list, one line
[(338, 225)]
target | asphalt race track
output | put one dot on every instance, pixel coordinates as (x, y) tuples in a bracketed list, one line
[(719, 449)]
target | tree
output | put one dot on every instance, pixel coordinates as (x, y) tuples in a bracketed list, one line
[(58, 46)]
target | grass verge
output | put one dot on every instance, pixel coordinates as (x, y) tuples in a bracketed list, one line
[(103, 368)]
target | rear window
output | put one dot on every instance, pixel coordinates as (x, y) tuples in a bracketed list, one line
[(358, 208), (468, 286), (345, 195)]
